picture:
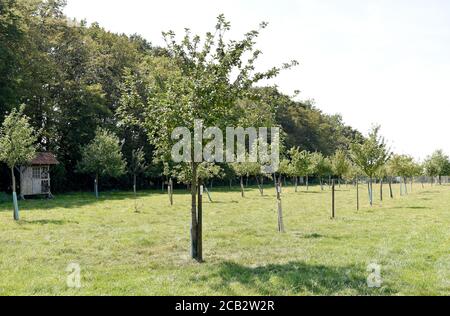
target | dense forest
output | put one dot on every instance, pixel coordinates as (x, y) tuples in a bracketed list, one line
[(71, 76)]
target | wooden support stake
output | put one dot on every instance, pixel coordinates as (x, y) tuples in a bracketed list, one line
[(333, 210)]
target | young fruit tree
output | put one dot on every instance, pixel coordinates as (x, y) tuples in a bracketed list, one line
[(301, 162), (437, 165), (201, 83), (401, 166), (102, 157), (370, 156), (322, 167), (17, 146), (340, 164), (137, 165)]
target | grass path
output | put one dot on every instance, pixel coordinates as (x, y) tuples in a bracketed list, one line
[(124, 253)]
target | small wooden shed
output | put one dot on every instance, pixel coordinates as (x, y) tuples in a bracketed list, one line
[(35, 177)]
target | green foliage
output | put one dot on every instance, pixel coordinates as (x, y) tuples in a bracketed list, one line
[(75, 78), (17, 139), (340, 163), (301, 162), (195, 84), (321, 166), (403, 166), (103, 156), (437, 164), (206, 171), (137, 163), (372, 154)]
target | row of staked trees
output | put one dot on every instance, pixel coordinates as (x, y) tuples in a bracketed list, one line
[(106, 105)]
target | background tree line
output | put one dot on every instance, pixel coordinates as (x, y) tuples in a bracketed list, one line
[(71, 78)]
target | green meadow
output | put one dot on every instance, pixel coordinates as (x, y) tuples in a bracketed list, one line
[(122, 252)]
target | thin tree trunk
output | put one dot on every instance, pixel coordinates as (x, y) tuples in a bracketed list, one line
[(231, 183), (333, 205), (307, 183), (261, 190), (194, 220), (280, 209), (170, 190), (370, 192), (242, 187), (390, 188), (406, 185), (96, 186), (321, 183), (200, 224), (134, 194), (381, 190), (357, 194), (296, 184), (15, 203)]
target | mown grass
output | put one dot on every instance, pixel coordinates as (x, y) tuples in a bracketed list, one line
[(126, 253)]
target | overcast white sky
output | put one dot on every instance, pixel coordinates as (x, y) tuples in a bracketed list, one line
[(373, 61)]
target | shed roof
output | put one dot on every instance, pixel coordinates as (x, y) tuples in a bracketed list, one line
[(44, 159)]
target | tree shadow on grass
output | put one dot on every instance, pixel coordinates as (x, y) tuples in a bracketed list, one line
[(412, 207), (293, 278), (75, 200), (45, 222)]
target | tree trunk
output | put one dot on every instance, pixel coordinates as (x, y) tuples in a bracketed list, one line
[(134, 185), (296, 184), (307, 183), (333, 205), (194, 223), (321, 183), (261, 190), (440, 180), (390, 188), (242, 187), (231, 183), (406, 185), (200, 224), (357, 194), (170, 190), (381, 190), (370, 192), (280, 209), (15, 203), (96, 186)]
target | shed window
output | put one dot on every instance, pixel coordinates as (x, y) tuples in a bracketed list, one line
[(36, 173)]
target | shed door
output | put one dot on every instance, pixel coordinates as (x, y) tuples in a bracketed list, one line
[(45, 180), (36, 180)]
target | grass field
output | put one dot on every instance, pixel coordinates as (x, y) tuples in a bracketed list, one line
[(121, 252)]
